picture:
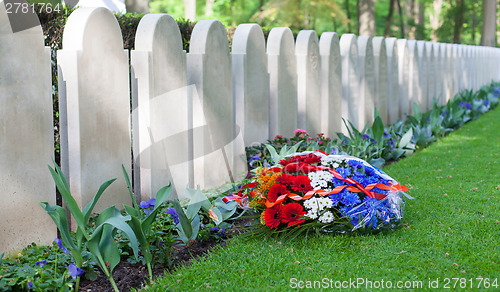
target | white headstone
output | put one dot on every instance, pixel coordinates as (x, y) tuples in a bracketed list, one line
[(438, 59), (449, 67), (403, 77), (393, 80), (381, 77), (331, 83), (283, 82), (27, 139), (414, 93), (431, 74), (219, 151), (308, 82), (423, 75), (351, 103), (95, 112), (160, 119), (251, 83), (366, 80)]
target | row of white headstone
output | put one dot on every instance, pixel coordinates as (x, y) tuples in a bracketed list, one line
[(192, 114)]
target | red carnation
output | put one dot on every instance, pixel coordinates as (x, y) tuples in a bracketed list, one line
[(299, 167), (293, 214), (276, 191), (311, 158), (302, 184), (285, 179), (272, 216)]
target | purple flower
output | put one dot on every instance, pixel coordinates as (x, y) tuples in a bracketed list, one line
[(152, 202), (30, 284), (74, 271), (461, 104), (468, 105), (365, 137), (171, 211), (214, 229), (486, 102), (61, 246), (41, 263), (254, 158), (144, 204), (334, 151), (387, 135)]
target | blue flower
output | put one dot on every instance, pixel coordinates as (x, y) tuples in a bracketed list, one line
[(171, 211), (214, 229), (74, 271), (387, 135), (365, 137), (222, 233), (144, 204), (486, 102), (336, 198), (61, 246), (152, 202), (41, 263), (253, 159), (30, 284), (468, 105), (350, 199), (334, 151), (148, 211), (461, 104)]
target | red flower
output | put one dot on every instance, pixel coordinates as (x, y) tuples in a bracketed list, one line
[(285, 179), (272, 216), (293, 214), (302, 184), (299, 167), (276, 191), (311, 158)]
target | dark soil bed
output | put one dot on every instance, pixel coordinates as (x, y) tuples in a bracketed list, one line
[(128, 276)]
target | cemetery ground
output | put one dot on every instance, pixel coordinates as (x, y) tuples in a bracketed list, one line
[(449, 236)]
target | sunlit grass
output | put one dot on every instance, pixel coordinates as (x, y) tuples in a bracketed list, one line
[(451, 230)]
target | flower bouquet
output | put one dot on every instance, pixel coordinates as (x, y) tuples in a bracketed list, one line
[(315, 191)]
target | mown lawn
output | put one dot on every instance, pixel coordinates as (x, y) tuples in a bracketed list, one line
[(451, 230)]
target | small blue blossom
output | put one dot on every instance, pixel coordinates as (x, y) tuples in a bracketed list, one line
[(171, 211), (214, 229), (30, 284), (152, 202), (365, 137), (351, 199), (75, 271), (486, 102), (334, 151), (468, 105), (144, 204), (253, 159), (387, 135), (41, 263), (61, 246)]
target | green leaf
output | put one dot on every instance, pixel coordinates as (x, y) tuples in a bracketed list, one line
[(184, 225), (131, 211), (63, 187), (87, 211), (136, 226), (197, 200), (378, 129), (129, 186), (58, 215), (161, 196), (406, 138)]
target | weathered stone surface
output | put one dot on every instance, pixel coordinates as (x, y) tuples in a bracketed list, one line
[(414, 95), (308, 82), (251, 83), (366, 80), (423, 75), (431, 74), (403, 77), (95, 109), (282, 68), (393, 80), (160, 117), (331, 83), (381, 77), (26, 139), (218, 147), (352, 105)]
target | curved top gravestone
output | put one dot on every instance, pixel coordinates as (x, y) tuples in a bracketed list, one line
[(282, 68), (393, 83), (381, 77), (331, 83), (414, 96), (351, 103), (161, 107), (308, 81), (431, 71), (251, 83), (27, 137), (423, 75)]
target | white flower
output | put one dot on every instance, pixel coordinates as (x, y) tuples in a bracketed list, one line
[(312, 214), (327, 217), (324, 202), (311, 203)]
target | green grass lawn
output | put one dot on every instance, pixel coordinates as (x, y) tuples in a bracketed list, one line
[(451, 230)]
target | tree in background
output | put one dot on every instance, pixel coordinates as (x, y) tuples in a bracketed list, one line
[(366, 16), (488, 33), (138, 6)]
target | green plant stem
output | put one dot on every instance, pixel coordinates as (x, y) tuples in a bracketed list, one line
[(150, 272)]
